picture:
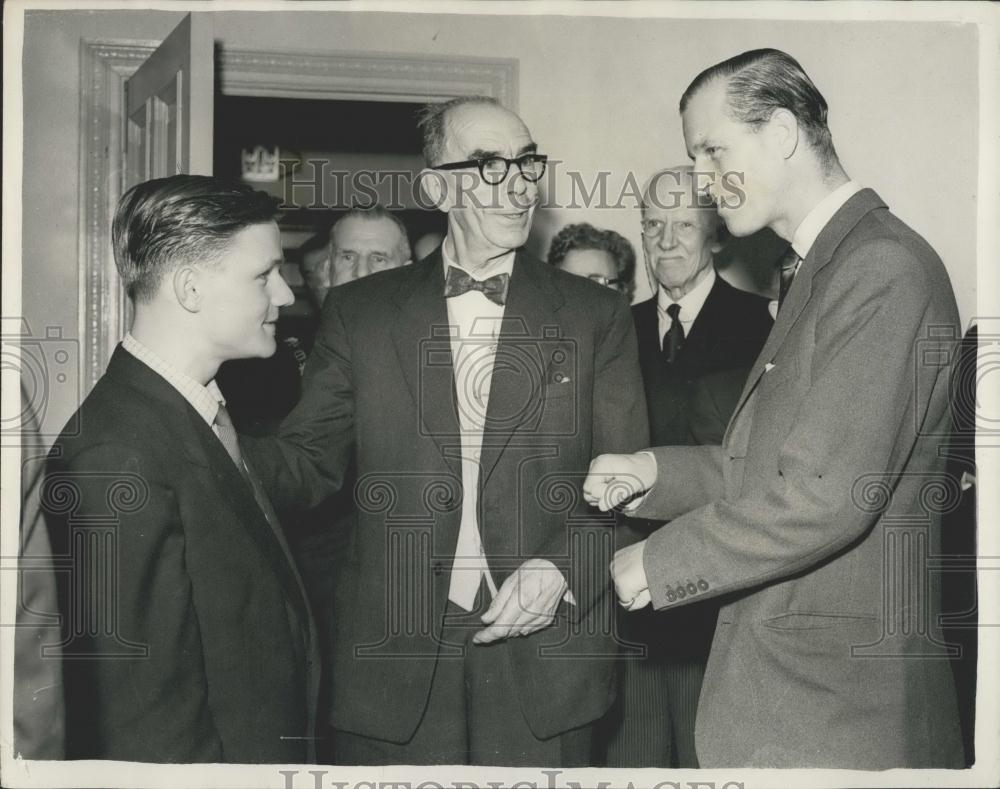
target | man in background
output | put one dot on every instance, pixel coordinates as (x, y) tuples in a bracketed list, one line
[(698, 337), (362, 241), (804, 517)]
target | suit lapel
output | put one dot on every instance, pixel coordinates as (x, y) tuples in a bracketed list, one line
[(704, 336), (422, 341), (799, 294), (523, 360), (647, 330), (203, 449), (239, 495)]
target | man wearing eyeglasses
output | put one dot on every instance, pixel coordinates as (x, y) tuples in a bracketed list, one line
[(698, 337), (473, 622)]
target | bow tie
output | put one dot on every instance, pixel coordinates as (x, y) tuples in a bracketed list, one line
[(494, 288)]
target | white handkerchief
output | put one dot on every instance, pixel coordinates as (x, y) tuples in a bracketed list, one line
[(768, 366)]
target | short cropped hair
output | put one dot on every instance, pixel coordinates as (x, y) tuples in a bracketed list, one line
[(373, 212), (165, 222), (678, 196), (585, 236), (431, 122), (764, 80)]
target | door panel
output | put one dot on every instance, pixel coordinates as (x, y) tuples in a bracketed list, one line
[(169, 106)]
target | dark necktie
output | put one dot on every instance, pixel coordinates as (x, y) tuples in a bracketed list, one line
[(673, 337), (494, 288), (789, 264)]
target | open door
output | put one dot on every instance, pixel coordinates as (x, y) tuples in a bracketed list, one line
[(169, 110)]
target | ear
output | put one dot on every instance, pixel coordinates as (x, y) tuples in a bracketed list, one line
[(185, 283), (784, 128), (434, 185)]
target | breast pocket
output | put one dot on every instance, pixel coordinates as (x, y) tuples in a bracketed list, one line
[(560, 412)]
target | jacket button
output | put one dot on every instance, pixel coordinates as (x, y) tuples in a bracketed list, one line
[(692, 589), (702, 584), (438, 568), (680, 591), (670, 595)]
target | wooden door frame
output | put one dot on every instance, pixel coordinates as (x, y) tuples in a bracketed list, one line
[(106, 65)]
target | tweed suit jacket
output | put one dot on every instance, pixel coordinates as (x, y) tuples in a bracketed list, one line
[(806, 515), (214, 655), (566, 386)]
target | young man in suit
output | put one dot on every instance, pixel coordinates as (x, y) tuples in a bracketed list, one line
[(473, 621), (698, 337), (187, 633), (805, 516)]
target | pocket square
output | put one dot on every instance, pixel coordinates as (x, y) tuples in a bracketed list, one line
[(768, 366)]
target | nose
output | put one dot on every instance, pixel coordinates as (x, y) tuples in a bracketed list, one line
[(281, 294), (363, 269), (667, 236), (523, 192)]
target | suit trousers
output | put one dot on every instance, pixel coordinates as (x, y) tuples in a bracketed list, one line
[(473, 713), (652, 723)]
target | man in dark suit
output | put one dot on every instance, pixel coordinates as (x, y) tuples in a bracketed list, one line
[(698, 337), (187, 635), (473, 621), (813, 516)]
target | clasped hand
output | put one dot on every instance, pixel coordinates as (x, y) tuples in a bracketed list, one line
[(526, 602), (616, 479)]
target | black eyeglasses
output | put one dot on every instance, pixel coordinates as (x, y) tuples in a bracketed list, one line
[(494, 169)]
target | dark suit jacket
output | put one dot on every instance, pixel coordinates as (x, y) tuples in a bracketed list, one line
[(211, 655), (820, 499), (690, 402), (566, 387), (698, 392)]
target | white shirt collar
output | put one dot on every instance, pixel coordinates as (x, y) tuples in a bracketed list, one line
[(691, 302), (809, 229), (203, 399), (501, 265)]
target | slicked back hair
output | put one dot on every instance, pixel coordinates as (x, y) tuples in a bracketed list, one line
[(761, 81), (432, 120), (373, 212), (166, 222)]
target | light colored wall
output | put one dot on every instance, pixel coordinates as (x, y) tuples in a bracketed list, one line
[(597, 93)]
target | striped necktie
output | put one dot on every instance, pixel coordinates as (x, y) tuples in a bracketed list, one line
[(230, 440)]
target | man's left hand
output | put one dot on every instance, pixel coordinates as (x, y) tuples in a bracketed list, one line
[(526, 602), (629, 576)]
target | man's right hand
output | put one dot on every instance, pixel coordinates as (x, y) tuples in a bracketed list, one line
[(616, 479)]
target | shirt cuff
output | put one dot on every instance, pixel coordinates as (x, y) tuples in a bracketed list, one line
[(638, 501)]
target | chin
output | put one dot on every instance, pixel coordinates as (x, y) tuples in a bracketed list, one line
[(264, 349), (510, 240), (740, 225)]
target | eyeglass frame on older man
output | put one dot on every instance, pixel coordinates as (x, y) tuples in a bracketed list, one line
[(481, 162)]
